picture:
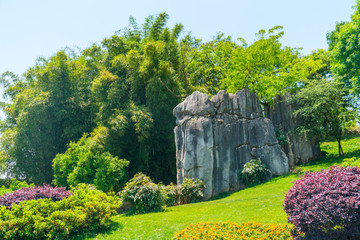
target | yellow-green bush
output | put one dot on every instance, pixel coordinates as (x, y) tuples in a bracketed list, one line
[(87, 209), (229, 230), (351, 162)]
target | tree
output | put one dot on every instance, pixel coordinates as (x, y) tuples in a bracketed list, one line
[(48, 108), (129, 85), (344, 44), (323, 107), (266, 67)]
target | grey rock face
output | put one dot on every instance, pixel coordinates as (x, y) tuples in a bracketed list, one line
[(299, 148), (216, 137)]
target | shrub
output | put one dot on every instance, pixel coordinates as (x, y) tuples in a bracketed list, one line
[(16, 184), (352, 130), (172, 194), (280, 136), (254, 172), (143, 194), (86, 161), (351, 162), (30, 193), (325, 205), (191, 190), (86, 209), (229, 230), (11, 185)]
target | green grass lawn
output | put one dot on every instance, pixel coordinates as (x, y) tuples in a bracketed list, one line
[(262, 203)]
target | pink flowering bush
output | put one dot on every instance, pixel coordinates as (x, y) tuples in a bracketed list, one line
[(33, 193), (325, 205)]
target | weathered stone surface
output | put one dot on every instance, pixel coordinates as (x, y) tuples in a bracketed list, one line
[(197, 104), (299, 149), (215, 138), (194, 141)]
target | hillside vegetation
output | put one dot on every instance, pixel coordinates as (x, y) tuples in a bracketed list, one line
[(261, 203)]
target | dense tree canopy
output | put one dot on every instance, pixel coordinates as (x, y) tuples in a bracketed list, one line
[(345, 51), (324, 108), (127, 87)]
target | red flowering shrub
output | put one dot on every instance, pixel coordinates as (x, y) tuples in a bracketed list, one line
[(30, 193), (325, 205)]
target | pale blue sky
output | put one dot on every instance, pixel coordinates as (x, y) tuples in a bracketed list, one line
[(29, 29)]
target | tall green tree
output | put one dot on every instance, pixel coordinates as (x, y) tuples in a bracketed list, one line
[(344, 45), (324, 108), (128, 86), (48, 108), (266, 67)]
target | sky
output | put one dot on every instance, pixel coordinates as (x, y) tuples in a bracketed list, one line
[(30, 29)]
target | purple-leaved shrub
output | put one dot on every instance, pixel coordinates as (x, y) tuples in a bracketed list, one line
[(31, 193), (326, 204)]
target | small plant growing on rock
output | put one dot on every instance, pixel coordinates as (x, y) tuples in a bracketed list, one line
[(280, 136), (254, 172), (325, 205)]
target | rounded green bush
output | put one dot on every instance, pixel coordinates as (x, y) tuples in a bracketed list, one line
[(143, 194), (254, 172), (87, 209)]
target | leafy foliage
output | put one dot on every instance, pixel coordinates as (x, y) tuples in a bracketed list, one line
[(254, 172), (230, 230), (266, 67), (345, 51), (351, 162), (14, 185), (280, 136), (172, 194), (33, 193), (143, 194), (86, 162), (191, 190), (128, 86), (324, 107), (325, 205), (86, 209)]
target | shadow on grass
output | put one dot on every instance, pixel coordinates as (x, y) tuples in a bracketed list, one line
[(114, 226), (131, 212), (344, 138), (331, 160), (220, 196)]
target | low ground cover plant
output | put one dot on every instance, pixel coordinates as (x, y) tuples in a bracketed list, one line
[(87, 209), (229, 230), (326, 204), (33, 193)]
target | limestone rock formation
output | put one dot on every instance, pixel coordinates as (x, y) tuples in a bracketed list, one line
[(216, 137), (299, 148)]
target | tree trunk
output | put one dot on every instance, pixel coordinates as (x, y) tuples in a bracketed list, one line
[(341, 152)]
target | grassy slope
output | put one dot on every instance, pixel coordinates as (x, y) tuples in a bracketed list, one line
[(262, 203)]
